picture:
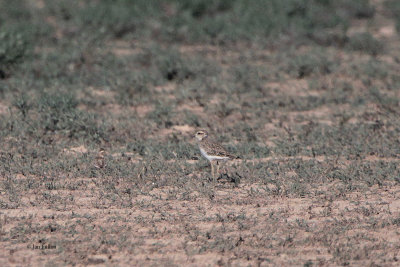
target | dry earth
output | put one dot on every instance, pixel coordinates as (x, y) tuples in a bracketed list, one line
[(166, 212)]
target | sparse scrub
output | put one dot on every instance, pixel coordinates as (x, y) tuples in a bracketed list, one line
[(133, 90), (13, 48), (393, 7), (365, 42), (309, 63), (22, 104), (375, 69), (162, 115), (173, 66), (236, 20), (247, 78), (211, 21), (100, 98)]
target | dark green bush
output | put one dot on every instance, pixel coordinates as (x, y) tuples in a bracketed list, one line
[(13, 47), (393, 7), (211, 21), (366, 43), (311, 62)]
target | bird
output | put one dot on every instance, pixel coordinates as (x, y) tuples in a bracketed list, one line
[(100, 159), (212, 151)]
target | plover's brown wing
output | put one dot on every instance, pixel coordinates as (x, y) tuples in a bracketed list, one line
[(218, 150), (100, 160)]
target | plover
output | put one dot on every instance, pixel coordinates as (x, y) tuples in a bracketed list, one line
[(212, 151), (100, 159)]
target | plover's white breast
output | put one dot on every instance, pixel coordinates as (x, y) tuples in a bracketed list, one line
[(211, 157)]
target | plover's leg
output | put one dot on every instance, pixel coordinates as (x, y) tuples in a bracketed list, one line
[(217, 169), (212, 169)]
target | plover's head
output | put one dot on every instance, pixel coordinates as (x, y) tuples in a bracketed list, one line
[(201, 134)]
